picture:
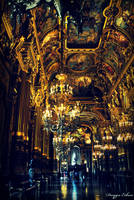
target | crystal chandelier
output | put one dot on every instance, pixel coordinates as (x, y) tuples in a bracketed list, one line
[(57, 119), (62, 144), (124, 121), (60, 88), (46, 118), (62, 113), (47, 114), (125, 137), (63, 110)]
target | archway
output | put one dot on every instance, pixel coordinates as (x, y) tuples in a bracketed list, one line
[(75, 156)]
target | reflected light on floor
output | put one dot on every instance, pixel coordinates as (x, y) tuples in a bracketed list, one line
[(74, 192), (86, 191), (64, 190), (97, 197)]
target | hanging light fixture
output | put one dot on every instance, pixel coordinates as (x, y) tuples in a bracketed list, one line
[(58, 117), (47, 114), (125, 122), (125, 137), (61, 89)]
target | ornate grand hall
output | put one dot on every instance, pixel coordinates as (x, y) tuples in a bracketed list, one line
[(66, 99)]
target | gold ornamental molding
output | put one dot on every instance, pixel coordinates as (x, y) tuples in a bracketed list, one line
[(37, 42), (20, 59), (121, 76), (21, 42), (19, 55), (7, 26)]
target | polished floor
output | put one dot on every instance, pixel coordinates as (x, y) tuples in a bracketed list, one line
[(65, 189), (72, 189)]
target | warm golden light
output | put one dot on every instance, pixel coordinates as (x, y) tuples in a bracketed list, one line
[(61, 88), (26, 138), (125, 137), (61, 77), (20, 133), (125, 123), (108, 137), (85, 80), (97, 146), (47, 114), (120, 138), (88, 141), (64, 190), (35, 148), (108, 147)]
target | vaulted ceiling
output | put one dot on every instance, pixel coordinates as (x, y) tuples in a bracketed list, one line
[(91, 40)]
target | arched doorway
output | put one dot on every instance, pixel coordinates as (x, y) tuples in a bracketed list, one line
[(75, 156)]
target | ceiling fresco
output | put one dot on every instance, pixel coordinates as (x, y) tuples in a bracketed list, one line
[(118, 46), (126, 19), (80, 62), (88, 90), (87, 32), (51, 55), (46, 19)]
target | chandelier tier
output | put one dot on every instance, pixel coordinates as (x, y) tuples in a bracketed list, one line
[(60, 115), (60, 89)]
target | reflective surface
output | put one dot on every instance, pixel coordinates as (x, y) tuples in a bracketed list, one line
[(65, 189)]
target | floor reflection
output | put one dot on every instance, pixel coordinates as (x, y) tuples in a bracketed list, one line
[(72, 190), (64, 190)]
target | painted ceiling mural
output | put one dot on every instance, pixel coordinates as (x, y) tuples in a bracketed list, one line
[(88, 90), (97, 45), (87, 33), (46, 19), (126, 20), (115, 46), (80, 62)]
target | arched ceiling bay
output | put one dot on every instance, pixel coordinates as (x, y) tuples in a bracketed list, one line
[(96, 38)]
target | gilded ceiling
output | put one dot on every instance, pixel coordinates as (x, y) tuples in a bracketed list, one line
[(91, 40)]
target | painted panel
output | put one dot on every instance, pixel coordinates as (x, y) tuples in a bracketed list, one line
[(87, 33)]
